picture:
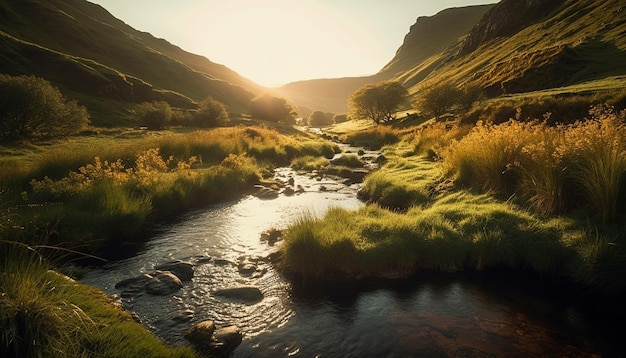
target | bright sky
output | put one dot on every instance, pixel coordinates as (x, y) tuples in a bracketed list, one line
[(274, 42)]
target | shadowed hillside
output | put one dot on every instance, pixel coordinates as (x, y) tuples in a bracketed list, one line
[(100, 60)]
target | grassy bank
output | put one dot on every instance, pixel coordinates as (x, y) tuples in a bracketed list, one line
[(97, 193), (460, 198), (45, 314)]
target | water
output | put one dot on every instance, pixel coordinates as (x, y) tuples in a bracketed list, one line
[(429, 315)]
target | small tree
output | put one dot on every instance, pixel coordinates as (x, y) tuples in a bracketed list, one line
[(274, 109), (468, 96), (155, 115), (340, 118), (211, 113), (438, 99), (31, 108), (378, 102), (320, 119)]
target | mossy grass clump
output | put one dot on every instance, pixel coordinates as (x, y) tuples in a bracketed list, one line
[(373, 138)]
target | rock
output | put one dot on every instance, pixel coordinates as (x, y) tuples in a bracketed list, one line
[(381, 159), (246, 268), (361, 152), (133, 281), (265, 193), (288, 191), (163, 283), (227, 339), (323, 188), (223, 262), (245, 293), (357, 175), (215, 342), (201, 334), (291, 181), (183, 270), (271, 236), (183, 316)]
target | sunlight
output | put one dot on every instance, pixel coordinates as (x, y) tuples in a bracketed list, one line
[(297, 34)]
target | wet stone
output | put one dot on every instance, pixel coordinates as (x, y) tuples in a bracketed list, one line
[(245, 293), (183, 270), (163, 283)]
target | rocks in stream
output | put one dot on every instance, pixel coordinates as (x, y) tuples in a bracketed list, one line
[(214, 341), (163, 283), (166, 279), (245, 293)]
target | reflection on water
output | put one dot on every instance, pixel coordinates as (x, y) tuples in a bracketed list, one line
[(427, 316)]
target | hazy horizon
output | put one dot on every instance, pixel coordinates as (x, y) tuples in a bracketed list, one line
[(279, 41)]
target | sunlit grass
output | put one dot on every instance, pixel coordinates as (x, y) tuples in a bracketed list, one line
[(45, 314)]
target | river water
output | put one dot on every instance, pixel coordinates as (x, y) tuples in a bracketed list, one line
[(433, 315)]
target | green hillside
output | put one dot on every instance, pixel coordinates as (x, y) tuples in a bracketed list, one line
[(106, 64), (512, 48)]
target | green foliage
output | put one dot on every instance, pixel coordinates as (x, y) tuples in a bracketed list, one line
[(31, 108), (378, 102), (154, 115), (45, 314), (309, 163), (438, 99), (348, 160), (273, 109), (320, 119), (373, 138), (340, 118), (211, 113)]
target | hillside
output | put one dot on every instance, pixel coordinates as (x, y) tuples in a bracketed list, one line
[(106, 64), (510, 48), (427, 37)]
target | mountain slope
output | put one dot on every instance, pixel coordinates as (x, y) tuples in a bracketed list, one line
[(426, 38), (83, 49), (512, 47)]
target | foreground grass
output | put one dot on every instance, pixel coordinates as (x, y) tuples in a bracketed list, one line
[(45, 314)]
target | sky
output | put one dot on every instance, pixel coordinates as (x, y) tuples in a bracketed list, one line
[(274, 42)]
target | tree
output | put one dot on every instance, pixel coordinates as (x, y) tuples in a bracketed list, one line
[(274, 109), (468, 96), (320, 119), (340, 118), (211, 113), (155, 115), (438, 99), (378, 102), (32, 108)]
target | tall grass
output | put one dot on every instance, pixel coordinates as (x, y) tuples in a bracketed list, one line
[(45, 314), (554, 168)]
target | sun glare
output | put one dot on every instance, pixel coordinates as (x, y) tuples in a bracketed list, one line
[(275, 40)]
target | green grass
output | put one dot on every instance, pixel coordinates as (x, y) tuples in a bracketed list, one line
[(373, 138), (420, 219), (309, 163), (45, 314)]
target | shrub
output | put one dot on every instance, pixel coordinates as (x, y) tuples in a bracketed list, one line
[(374, 138), (31, 108), (340, 118), (378, 102), (211, 113), (437, 100), (274, 109), (320, 119), (154, 115)]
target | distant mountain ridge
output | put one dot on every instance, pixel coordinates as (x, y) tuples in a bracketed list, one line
[(82, 48), (514, 46)]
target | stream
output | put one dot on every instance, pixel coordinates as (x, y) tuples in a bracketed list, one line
[(429, 315)]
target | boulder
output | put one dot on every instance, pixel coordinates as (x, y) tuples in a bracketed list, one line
[(245, 293), (201, 334), (227, 339), (182, 269), (246, 268), (183, 316), (163, 283), (133, 281), (265, 193)]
